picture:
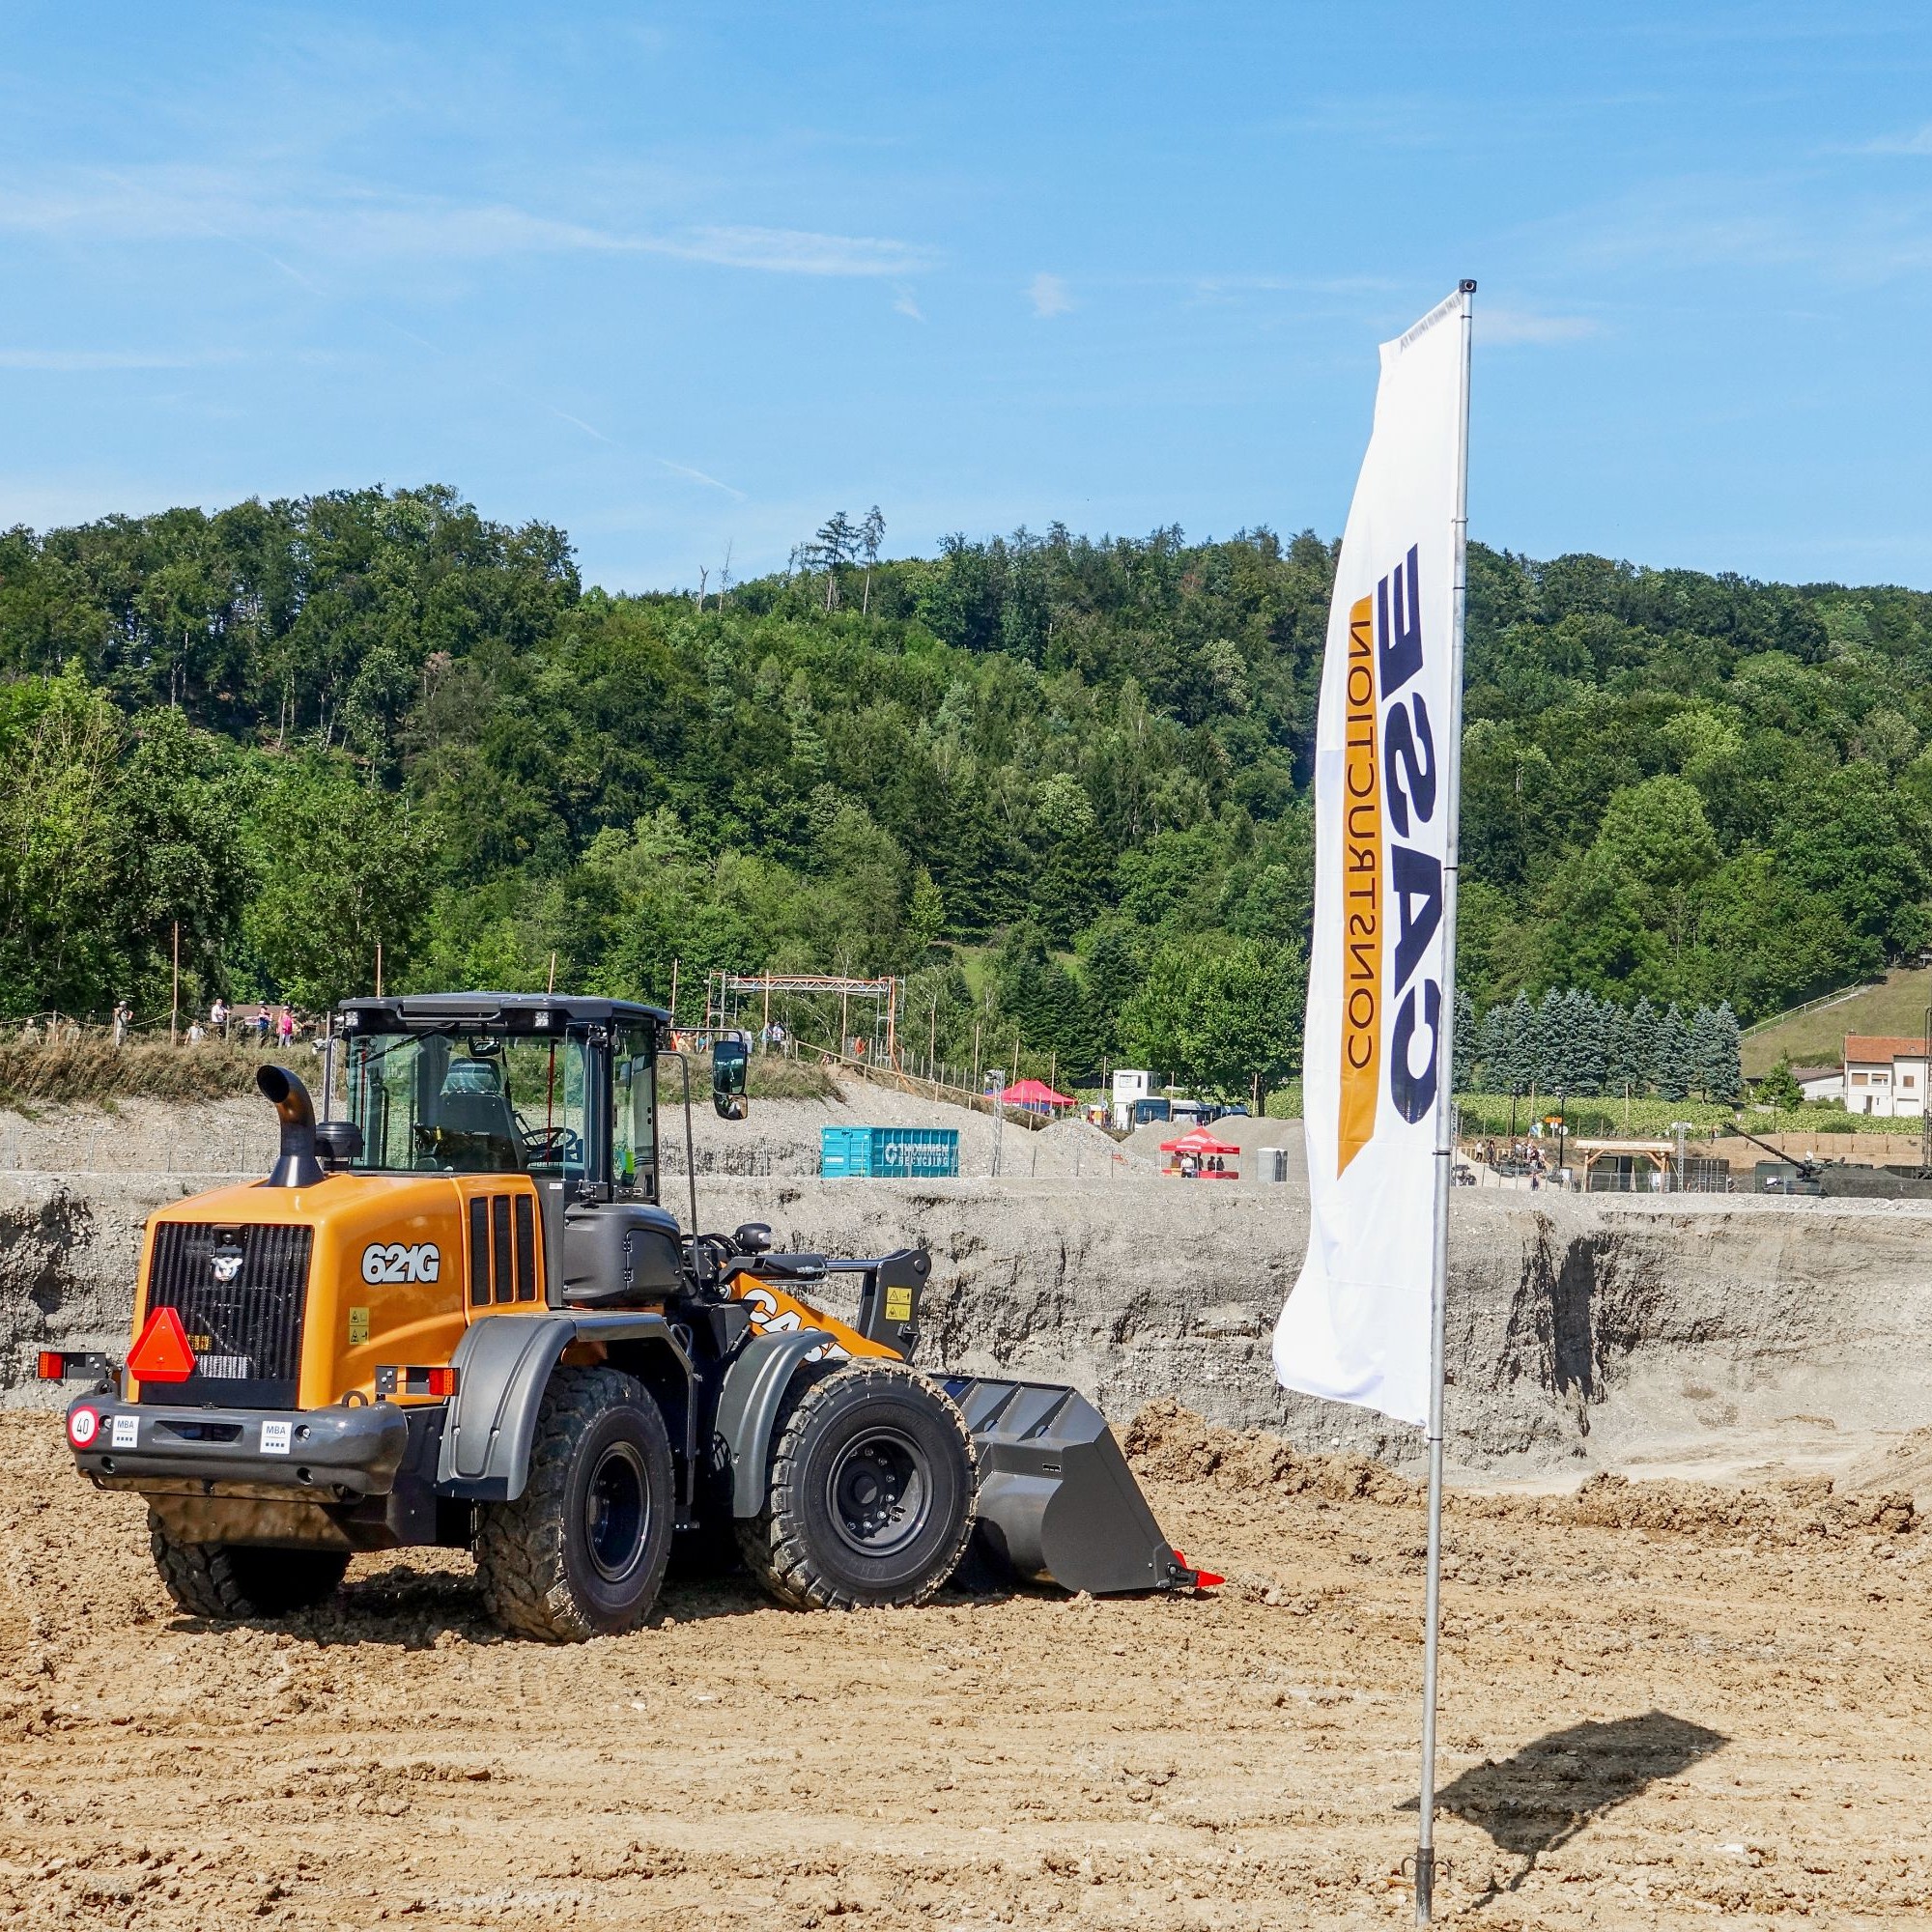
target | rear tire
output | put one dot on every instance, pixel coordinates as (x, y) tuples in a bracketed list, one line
[(581, 1552), (243, 1581), (870, 1492)]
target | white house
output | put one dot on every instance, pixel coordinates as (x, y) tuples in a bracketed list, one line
[(1820, 1083), (1885, 1073)]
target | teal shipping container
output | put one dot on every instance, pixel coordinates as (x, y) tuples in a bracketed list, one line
[(887, 1154)]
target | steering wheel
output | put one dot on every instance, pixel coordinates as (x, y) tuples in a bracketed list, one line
[(553, 1146)]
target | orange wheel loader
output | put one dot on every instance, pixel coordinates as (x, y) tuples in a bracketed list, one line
[(464, 1316)]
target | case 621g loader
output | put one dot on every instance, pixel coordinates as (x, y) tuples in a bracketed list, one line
[(464, 1316)]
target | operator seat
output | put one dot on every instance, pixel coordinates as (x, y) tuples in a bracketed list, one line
[(476, 1128)]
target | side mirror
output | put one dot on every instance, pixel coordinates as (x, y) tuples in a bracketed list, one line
[(731, 1071)]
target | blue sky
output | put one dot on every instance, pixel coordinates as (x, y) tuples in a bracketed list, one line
[(686, 279)]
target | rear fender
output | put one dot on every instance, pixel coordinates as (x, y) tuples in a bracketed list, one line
[(502, 1366), (749, 1405)]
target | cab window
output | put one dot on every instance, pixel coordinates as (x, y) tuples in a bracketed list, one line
[(633, 1135)]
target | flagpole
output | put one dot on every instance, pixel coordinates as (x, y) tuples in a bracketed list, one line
[(1445, 1145)]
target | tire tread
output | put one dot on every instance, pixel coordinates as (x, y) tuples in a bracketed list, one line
[(771, 1542), (520, 1556)]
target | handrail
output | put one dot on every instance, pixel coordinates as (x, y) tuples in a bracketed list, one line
[(1810, 1006)]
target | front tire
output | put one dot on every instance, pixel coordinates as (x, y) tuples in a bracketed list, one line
[(241, 1581), (870, 1492), (581, 1552)]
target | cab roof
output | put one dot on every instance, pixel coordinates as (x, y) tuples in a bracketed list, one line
[(516, 1012)]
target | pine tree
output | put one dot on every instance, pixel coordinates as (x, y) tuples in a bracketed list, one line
[(1553, 1043), (1703, 1046), (1492, 1050), (1641, 1049), (1586, 1024), (1519, 1060), (1463, 1045), (1727, 1075), (1614, 1029), (1672, 1069)]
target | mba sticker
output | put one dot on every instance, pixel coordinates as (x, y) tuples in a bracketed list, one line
[(275, 1438)]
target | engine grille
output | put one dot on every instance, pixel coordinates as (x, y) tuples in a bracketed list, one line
[(246, 1330)]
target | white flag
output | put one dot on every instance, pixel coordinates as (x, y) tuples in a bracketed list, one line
[(1356, 1327)]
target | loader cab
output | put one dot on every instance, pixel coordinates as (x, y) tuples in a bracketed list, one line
[(562, 1090)]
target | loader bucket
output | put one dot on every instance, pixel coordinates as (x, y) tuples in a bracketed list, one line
[(1057, 1501)]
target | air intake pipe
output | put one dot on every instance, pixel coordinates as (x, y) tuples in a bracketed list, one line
[(295, 1165)]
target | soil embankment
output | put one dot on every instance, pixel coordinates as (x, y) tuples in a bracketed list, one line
[(1718, 1334)]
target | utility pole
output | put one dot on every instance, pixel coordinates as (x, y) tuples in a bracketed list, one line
[(174, 991), (1925, 1103), (996, 1081), (379, 969)]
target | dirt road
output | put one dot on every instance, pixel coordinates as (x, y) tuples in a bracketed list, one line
[(1659, 1703)]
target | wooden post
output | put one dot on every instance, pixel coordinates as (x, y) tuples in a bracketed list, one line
[(673, 992), (379, 969), (550, 986), (175, 992)]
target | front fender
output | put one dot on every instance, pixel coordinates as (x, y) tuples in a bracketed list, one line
[(748, 1402), (502, 1366)]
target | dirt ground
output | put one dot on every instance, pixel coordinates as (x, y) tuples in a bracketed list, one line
[(1661, 1703)]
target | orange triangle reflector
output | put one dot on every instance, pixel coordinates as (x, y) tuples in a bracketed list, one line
[(163, 1353)]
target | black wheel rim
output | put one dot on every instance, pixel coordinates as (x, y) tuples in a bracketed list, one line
[(879, 1493), (617, 1512)]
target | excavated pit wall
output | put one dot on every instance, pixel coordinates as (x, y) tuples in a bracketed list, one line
[(1580, 1333)]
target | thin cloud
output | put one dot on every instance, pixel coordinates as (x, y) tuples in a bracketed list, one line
[(790, 251), (1501, 327), (904, 305), (1919, 143), (1049, 297), (344, 218), (578, 422), (77, 361), (698, 476)]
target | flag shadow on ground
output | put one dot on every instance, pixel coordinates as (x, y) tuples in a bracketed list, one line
[(1548, 1791)]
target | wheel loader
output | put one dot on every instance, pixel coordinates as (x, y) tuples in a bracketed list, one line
[(464, 1315)]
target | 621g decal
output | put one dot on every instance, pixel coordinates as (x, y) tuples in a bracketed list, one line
[(391, 1261)]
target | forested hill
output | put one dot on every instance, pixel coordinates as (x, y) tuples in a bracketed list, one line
[(1058, 782)]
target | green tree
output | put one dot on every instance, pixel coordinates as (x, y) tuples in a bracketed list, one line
[(1675, 1069), (342, 868)]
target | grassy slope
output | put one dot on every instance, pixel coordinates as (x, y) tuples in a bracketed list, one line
[(1818, 1039)]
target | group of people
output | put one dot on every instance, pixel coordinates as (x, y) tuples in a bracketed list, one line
[(268, 1024), (1194, 1165), (1515, 1158)]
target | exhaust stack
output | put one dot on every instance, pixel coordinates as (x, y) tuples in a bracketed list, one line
[(295, 1165)]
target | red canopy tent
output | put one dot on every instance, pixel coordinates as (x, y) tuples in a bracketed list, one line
[(1202, 1146), (1035, 1096)]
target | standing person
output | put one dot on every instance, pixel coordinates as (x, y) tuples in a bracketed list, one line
[(285, 1028), (124, 1015), (261, 1024), (217, 1017)]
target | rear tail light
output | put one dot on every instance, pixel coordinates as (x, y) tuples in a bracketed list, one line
[(415, 1381), (53, 1366)]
